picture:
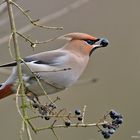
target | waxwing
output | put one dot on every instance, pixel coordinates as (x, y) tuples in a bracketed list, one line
[(56, 69)]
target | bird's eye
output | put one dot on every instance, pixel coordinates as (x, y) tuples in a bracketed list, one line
[(90, 42)]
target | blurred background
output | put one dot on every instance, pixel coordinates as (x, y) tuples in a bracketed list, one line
[(116, 67)]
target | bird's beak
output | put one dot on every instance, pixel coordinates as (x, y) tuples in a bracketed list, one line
[(102, 42), (99, 43)]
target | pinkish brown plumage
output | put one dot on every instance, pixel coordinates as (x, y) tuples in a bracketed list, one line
[(56, 69)]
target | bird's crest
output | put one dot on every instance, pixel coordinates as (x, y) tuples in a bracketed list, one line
[(79, 36)]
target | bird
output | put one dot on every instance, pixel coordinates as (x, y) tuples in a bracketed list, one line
[(56, 69)]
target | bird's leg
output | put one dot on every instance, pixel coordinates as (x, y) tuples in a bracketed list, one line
[(33, 97), (28, 81), (43, 110)]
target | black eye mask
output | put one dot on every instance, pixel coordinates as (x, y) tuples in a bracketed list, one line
[(91, 42)]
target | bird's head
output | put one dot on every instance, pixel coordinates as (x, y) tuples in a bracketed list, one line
[(84, 42)]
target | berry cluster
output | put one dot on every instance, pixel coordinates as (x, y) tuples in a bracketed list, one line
[(111, 127), (47, 110), (78, 115), (50, 110), (107, 125)]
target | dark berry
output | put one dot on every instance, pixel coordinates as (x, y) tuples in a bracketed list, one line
[(111, 131), (77, 112), (109, 126), (113, 114), (67, 122), (80, 118), (105, 125), (118, 121), (52, 105), (47, 118), (106, 134), (120, 116)]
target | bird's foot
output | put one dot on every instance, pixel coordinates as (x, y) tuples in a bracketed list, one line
[(45, 110)]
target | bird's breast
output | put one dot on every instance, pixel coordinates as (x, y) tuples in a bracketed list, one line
[(58, 77), (65, 76)]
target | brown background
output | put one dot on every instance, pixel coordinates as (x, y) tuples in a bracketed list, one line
[(116, 67)]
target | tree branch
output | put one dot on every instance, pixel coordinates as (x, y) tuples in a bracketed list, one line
[(34, 22), (17, 57), (55, 15), (72, 126)]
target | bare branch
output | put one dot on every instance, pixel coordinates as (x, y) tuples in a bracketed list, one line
[(65, 10), (73, 126), (19, 71), (34, 43), (9, 45), (55, 134), (83, 115), (3, 7), (34, 22)]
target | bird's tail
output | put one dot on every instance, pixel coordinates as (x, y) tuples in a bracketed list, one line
[(6, 91)]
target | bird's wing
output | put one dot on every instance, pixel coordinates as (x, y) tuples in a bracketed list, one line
[(50, 58), (11, 64)]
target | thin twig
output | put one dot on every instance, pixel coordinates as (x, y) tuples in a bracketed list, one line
[(23, 118), (17, 104), (53, 70), (72, 126), (53, 116), (16, 48), (55, 134), (28, 132), (19, 70), (38, 81), (9, 45), (53, 16), (34, 22), (3, 7), (54, 130), (20, 134), (83, 115), (33, 128), (34, 43)]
